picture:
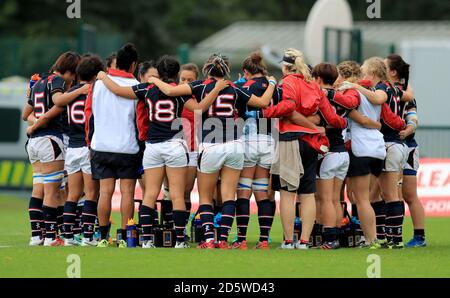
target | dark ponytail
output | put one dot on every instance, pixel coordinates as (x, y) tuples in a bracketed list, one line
[(397, 63), (168, 68), (254, 64)]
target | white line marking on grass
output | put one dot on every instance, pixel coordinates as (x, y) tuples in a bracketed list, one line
[(5, 246)]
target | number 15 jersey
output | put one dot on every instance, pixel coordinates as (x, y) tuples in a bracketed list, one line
[(218, 122)]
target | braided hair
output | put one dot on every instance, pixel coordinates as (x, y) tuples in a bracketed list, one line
[(217, 65)]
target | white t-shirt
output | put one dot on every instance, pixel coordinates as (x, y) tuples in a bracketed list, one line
[(114, 119), (367, 142)]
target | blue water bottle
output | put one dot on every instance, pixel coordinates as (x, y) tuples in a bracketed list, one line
[(131, 233)]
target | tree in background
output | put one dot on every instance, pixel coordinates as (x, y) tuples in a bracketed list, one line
[(159, 26)]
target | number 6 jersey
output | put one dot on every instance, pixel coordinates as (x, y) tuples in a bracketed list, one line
[(76, 120)]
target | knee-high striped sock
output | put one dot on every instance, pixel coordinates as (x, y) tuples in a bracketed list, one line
[(403, 208), (69, 215), (242, 218), (155, 217), (146, 219), (78, 227), (274, 207), (380, 212), (89, 216), (60, 219), (207, 219), (265, 218), (167, 209), (179, 219), (50, 221), (394, 221), (228, 212), (36, 217)]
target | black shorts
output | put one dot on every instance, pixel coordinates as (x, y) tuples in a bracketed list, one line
[(105, 165), (362, 166), (308, 181)]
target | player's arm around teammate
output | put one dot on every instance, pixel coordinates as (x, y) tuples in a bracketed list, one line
[(165, 151), (45, 147), (259, 147), (221, 150), (77, 163)]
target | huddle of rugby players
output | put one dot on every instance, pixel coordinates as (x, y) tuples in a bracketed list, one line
[(319, 131)]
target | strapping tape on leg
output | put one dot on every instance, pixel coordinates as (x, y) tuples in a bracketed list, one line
[(56, 177), (245, 184), (261, 185), (38, 178)]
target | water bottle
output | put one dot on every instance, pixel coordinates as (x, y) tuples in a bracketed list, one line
[(131, 233), (217, 220), (250, 128), (34, 78)]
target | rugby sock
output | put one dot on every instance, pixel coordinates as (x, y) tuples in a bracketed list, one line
[(394, 221), (228, 212), (265, 218), (166, 209), (179, 219), (69, 215), (36, 217), (273, 207), (78, 222), (50, 221), (60, 219), (242, 218), (419, 234), (123, 232), (207, 219), (146, 219), (89, 216), (155, 217), (403, 208), (380, 212), (104, 232)]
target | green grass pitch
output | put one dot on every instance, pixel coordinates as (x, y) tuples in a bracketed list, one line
[(19, 260)]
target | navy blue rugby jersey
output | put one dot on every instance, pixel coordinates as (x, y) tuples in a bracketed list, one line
[(335, 135), (41, 101), (76, 119), (394, 98), (219, 121), (162, 111), (257, 86)]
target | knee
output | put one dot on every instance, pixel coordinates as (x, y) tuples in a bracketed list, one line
[(91, 194)]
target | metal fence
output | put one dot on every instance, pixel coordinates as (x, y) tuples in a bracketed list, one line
[(25, 56)]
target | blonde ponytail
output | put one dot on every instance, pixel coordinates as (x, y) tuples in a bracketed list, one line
[(299, 66)]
